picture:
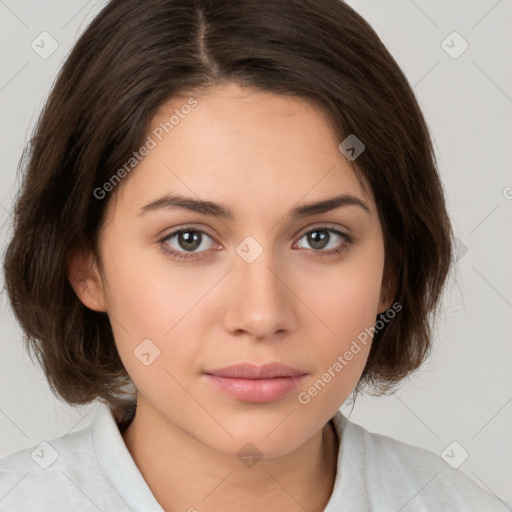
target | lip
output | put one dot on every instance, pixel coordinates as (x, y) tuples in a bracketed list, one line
[(249, 382), (255, 371)]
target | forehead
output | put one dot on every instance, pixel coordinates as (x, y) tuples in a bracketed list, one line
[(242, 147)]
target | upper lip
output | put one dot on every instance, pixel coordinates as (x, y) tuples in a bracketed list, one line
[(255, 371)]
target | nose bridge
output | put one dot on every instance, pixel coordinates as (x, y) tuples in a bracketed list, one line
[(259, 303)]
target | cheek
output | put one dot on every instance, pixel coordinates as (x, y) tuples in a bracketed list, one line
[(340, 357), (347, 302), (146, 293), (348, 299), (155, 309)]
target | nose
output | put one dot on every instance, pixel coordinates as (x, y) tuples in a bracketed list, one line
[(259, 299)]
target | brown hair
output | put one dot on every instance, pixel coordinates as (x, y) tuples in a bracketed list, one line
[(134, 56)]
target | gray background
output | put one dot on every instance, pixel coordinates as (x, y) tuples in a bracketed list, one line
[(464, 392)]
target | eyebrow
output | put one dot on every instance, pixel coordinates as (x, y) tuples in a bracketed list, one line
[(216, 210)]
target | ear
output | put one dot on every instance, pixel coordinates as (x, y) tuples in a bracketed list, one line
[(388, 291), (85, 278)]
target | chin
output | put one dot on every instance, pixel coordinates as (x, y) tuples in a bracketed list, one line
[(270, 438)]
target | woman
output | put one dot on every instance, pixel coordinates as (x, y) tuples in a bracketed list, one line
[(231, 219)]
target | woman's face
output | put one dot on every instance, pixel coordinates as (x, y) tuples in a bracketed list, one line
[(255, 277)]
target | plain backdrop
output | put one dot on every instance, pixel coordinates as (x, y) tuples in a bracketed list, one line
[(464, 392)]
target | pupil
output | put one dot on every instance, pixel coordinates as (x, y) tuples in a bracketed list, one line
[(189, 240), (318, 239)]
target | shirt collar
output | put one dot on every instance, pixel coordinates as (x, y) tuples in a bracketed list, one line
[(118, 464)]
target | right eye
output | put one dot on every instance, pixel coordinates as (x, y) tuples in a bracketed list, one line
[(186, 242)]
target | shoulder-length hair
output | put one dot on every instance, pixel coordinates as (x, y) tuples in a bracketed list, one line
[(136, 55)]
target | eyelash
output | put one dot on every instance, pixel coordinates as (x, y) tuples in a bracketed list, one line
[(177, 255)]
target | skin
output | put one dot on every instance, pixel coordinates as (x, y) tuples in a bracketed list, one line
[(260, 155)]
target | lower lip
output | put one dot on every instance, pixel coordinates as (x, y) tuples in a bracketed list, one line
[(256, 390)]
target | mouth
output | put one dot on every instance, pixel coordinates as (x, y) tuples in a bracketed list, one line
[(254, 383)]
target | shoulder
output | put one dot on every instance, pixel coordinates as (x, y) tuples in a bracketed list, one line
[(47, 471), (60, 474), (408, 477), (49, 455)]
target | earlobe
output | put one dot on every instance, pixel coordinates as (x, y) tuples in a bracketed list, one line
[(384, 304), (388, 292), (85, 279)]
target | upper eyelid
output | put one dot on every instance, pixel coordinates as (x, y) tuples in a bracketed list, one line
[(187, 228), (327, 227)]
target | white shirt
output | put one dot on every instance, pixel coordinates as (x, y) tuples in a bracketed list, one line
[(92, 470)]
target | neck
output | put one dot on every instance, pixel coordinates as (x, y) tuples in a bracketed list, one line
[(185, 474)]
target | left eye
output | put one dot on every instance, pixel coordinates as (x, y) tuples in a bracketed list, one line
[(323, 239)]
